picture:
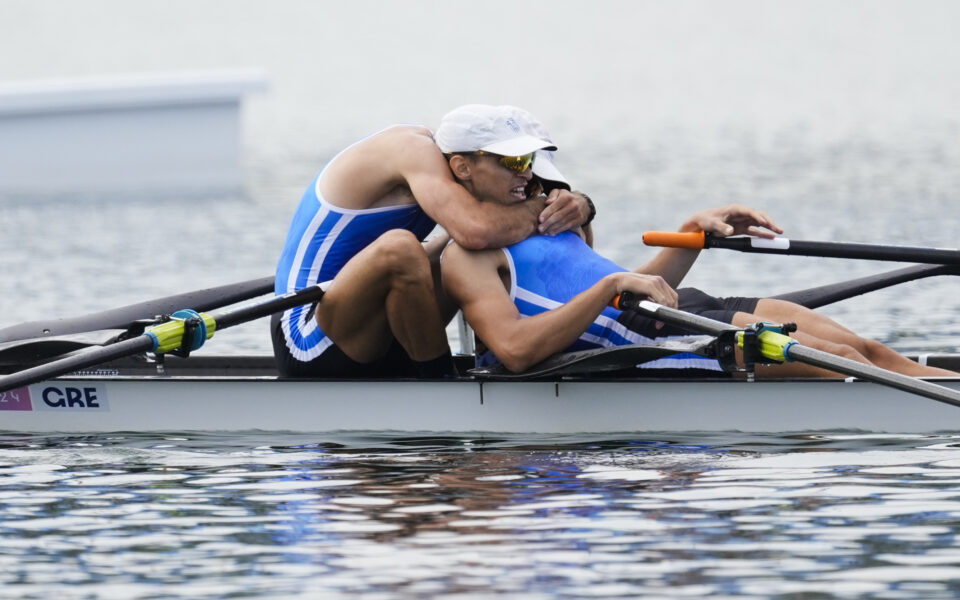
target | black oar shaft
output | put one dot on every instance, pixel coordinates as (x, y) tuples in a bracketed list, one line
[(783, 245), (144, 343), (938, 256), (816, 297), (75, 362), (227, 317), (121, 318)]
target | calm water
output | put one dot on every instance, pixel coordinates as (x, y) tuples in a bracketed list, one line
[(847, 516), (840, 120)]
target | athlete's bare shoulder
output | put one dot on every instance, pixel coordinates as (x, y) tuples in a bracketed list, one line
[(471, 274), (371, 173), (412, 148), (407, 133), (467, 261)]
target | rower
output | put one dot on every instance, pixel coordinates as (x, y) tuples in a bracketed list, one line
[(549, 294)]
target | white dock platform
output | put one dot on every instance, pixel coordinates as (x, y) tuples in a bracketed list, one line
[(161, 131)]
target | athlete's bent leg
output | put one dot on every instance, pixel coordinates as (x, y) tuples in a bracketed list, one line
[(384, 292), (823, 333), (795, 369), (826, 328)]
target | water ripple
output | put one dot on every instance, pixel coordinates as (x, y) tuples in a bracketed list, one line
[(830, 515)]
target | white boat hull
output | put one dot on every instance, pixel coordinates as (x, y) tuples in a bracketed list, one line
[(235, 403)]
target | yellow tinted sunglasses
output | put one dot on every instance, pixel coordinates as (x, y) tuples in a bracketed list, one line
[(515, 163)]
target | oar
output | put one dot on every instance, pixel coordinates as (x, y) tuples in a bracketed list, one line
[(124, 317), (779, 347), (188, 329), (782, 245), (816, 297)]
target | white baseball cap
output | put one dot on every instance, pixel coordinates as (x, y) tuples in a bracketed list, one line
[(494, 129), (543, 166)]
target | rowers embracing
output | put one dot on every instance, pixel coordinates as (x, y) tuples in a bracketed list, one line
[(362, 222)]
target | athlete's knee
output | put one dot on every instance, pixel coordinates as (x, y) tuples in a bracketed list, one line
[(866, 348), (873, 349), (403, 256)]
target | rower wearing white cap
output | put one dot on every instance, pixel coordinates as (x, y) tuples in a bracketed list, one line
[(361, 223)]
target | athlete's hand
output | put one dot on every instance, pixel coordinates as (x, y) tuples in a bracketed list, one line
[(652, 287), (565, 210), (734, 219)]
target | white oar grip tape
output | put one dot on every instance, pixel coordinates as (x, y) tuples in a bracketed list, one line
[(649, 305), (779, 243)]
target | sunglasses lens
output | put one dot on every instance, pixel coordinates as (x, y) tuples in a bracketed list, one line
[(518, 163)]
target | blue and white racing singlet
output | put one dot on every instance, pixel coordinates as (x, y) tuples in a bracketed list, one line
[(321, 239), (548, 271)]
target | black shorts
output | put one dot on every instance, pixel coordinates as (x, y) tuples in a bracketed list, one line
[(333, 363), (693, 301)]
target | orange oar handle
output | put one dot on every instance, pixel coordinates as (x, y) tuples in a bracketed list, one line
[(615, 303), (625, 301), (692, 241)]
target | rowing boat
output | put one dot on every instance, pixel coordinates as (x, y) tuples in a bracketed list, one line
[(239, 393), (118, 370)]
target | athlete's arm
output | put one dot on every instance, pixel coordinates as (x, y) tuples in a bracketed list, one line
[(473, 280), (471, 223), (566, 211), (673, 264), (434, 248)]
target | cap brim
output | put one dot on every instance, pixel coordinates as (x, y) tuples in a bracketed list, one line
[(518, 146), (544, 168)]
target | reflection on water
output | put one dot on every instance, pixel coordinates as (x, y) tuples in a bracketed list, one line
[(373, 516)]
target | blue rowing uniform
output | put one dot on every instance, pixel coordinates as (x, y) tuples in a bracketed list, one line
[(321, 239), (548, 271)]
